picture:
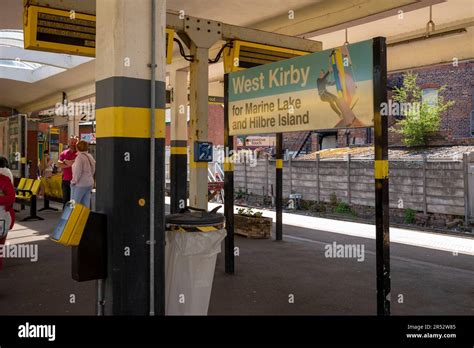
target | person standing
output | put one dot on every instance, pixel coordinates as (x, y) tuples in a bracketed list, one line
[(83, 171), (7, 198), (66, 160), (46, 165)]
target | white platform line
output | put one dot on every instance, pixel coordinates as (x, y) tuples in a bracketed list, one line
[(422, 239)]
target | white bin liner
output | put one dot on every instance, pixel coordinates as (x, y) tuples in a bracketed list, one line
[(190, 263)]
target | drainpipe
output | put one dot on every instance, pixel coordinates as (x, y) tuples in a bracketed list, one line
[(152, 158)]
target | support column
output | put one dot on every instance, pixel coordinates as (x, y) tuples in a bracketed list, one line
[(135, 282), (199, 95), (73, 125), (179, 134), (382, 232), (279, 186), (72, 119), (228, 185)]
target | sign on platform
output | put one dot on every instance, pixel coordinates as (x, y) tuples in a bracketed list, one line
[(61, 31), (323, 90), (203, 151), (89, 137)]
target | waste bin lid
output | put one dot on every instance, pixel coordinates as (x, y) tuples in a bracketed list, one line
[(195, 217)]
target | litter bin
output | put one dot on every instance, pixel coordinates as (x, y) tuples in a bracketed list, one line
[(193, 240)]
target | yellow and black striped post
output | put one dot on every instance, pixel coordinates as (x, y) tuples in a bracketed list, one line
[(123, 116), (382, 234), (178, 134), (279, 186), (228, 185), (178, 175)]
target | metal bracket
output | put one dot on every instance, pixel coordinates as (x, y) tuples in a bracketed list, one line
[(203, 32), (226, 32)]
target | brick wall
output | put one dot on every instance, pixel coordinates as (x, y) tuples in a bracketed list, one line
[(459, 81), (356, 137), (314, 142), (455, 122), (215, 125)]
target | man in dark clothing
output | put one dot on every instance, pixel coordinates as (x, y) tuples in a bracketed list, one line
[(325, 96)]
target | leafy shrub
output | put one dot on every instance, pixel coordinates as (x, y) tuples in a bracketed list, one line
[(343, 208), (307, 205), (418, 122), (354, 213), (320, 207), (409, 216), (239, 194), (249, 212)]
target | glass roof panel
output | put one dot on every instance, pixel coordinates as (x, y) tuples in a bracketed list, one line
[(8, 63), (30, 66), (11, 38)]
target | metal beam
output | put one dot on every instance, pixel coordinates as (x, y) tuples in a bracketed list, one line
[(227, 32), (330, 16), (421, 34)]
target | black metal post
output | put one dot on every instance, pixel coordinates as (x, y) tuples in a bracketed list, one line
[(228, 185), (23, 146), (279, 186), (382, 239), (46, 205)]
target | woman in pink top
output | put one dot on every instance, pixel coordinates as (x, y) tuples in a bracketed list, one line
[(83, 171), (66, 159)]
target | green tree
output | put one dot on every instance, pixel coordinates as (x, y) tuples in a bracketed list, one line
[(420, 117)]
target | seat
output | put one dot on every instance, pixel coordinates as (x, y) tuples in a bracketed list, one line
[(53, 191), (27, 196), (24, 184)]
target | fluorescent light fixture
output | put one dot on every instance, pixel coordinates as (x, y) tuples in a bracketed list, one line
[(436, 34)]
